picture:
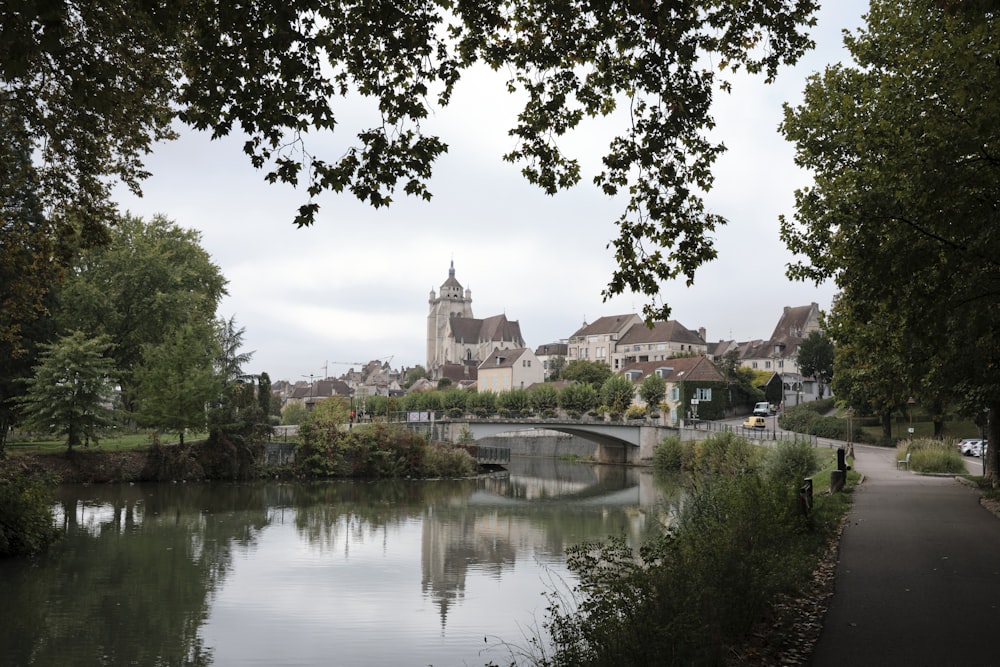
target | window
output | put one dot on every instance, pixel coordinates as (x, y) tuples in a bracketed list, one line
[(675, 394), (767, 364), (703, 393)]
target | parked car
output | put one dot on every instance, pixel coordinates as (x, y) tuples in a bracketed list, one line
[(763, 409), (970, 447), (755, 421)]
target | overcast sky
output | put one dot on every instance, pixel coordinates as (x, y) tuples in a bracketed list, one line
[(354, 287)]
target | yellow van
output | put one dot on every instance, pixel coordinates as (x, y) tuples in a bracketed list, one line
[(755, 422)]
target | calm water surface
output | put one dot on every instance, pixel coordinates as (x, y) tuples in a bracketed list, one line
[(337, 573)]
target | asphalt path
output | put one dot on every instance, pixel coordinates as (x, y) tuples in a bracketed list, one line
[(918, 575)]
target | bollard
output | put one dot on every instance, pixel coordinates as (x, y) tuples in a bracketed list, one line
[(806, 496), (842, 460), (837, 480)]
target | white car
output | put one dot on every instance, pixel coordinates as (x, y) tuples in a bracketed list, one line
[(970, 447)]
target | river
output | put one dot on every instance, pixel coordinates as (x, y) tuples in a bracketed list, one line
[(443, 573)]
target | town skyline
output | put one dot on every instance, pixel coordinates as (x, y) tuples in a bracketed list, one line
[(354, 287)]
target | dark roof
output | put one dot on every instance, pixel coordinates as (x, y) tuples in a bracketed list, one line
[(552, 349), (458, 372), (606, 325), (469, 330), (503, 358), (793, 327), (661, 332), (696, 369)]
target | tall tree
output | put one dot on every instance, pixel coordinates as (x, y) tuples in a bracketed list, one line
[(905, 152), (617, 393), (33, 254), (815, 359), (277, 72), (652, 389), (177, 380), (149, 279), (71, 391), (583, 370)]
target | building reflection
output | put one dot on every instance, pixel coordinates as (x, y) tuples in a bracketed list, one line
[(537, 510)]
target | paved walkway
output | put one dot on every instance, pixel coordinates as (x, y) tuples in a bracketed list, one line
[(918, 581)]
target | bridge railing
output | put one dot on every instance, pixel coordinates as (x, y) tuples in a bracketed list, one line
[(708, 427)]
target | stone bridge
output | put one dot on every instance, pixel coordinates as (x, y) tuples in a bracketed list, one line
[(617, 442)]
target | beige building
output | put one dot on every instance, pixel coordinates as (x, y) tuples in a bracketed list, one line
[(620, 340), (512, 368), (455, 336), (779, 354), (665, 340), (597, 341)]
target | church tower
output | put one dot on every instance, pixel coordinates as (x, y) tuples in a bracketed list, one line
[(452, 302)]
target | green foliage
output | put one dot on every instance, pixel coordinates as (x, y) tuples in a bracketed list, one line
[(667, 455), (514, 403), (815, 359), (332, 412), (585, 371), (544, 399), (177, 380), (217, 69), (578, 398), (739, 544), (652, 389), (454, 401), (810, 418), (790, 461), (635, 412), (617, 393), (293, 413), (71, 390), (932, 456), (482, 403), (900, 145), (149, 279), (726, 454), (719, 454), (26, 523), (375, 451)]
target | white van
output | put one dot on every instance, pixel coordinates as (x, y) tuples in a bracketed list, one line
[(762, 409)]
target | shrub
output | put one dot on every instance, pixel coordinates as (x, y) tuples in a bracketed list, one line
[(668, 455), (726, 454), (737, 545), (799, 419), (26, 524), (635, 412), (790, 461), (377, 450), (935, 456)]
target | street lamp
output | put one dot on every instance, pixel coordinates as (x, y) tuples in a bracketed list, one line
[(909, 406)]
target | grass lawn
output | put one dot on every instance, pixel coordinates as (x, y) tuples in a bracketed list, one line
[(115, 443)]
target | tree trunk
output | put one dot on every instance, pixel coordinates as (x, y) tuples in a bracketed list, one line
[(887, 425), (993, 438)]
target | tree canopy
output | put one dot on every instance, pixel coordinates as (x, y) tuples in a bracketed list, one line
[(905, 151), (97, 84), (71, 392), (815, 359), (150, 278)]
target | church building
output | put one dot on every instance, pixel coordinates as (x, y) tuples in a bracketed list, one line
[(456, 338)]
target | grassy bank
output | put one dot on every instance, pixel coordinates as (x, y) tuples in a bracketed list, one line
[(719, 575)]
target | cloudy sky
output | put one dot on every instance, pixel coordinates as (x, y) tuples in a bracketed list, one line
[(354, 287)]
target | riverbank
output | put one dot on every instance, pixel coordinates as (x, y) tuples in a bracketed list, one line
[(196, 461)]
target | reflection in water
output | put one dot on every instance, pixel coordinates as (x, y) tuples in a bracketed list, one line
[(312, 573)]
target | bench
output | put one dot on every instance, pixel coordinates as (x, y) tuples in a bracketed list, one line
[(905, 463)]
